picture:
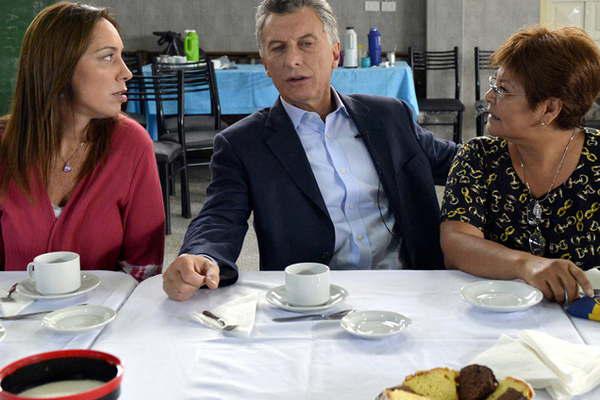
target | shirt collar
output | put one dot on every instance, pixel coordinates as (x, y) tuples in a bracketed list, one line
[(297, 114)]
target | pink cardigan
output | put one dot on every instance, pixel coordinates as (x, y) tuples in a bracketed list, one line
[(113, 219)]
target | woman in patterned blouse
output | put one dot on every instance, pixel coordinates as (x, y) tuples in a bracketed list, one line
[(524, 203)]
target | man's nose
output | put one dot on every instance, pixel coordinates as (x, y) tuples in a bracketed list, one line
[(293, 57)]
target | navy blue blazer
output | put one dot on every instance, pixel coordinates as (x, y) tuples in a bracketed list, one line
[(259, 166)]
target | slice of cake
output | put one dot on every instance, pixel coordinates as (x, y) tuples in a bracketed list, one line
[(436, 383), (399, 393), (476, 382), (508, 386)]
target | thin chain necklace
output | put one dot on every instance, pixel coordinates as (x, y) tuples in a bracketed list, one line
[(67, 162), (537, 242)]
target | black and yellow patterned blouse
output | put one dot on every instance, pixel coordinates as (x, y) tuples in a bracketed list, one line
[(483, 189)]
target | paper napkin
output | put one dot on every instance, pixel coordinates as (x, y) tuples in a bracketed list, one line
[(240, 311), (8, 308), (564, 369)]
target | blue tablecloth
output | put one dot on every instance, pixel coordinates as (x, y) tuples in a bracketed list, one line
[(247, 89)]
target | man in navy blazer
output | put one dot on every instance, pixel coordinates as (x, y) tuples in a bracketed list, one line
[(300, 184)]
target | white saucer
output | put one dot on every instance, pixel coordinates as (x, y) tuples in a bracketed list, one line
[(2, 332), (88, 282), (374, 324), (78, 318), (277, 297), (501, 296)]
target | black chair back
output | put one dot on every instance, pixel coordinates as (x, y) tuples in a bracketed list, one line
[(199, 76), (482, 63), (161, 88), (434, 61)]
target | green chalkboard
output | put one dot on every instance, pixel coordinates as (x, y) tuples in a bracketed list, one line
[(16, 16)]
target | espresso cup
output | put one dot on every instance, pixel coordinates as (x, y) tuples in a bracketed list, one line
[(307, 284), (55, 273)]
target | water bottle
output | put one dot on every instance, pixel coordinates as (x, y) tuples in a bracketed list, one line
[(191, 45), (350, 48), (375, 46)]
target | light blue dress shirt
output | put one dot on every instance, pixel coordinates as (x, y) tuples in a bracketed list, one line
[(350, 188)]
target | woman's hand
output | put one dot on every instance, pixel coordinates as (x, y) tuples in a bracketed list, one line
[(558, 279)]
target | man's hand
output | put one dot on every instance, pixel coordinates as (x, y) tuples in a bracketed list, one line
[(557, 279), (187, 273)]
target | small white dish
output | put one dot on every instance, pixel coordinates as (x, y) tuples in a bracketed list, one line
[(501, 296), (89, 282), (78, 318), (2, 332), (277, 297), (374, 324)]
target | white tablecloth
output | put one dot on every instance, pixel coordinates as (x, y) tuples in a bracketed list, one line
[(167, 355), (27, 336)]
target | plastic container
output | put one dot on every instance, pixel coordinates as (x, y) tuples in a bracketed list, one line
[(374, 46), (191, 45), (350, 48)]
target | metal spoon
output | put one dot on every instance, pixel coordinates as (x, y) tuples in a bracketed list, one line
[(221, 321), (8, 297)]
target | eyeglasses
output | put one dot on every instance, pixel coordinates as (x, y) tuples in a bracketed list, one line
[(537, 242), (500, 92)]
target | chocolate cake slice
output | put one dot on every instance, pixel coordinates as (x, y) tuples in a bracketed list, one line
[(476, 382)]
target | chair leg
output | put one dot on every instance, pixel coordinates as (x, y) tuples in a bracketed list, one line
[(458, 128), (172, 180), (186, 207), (164, 175)]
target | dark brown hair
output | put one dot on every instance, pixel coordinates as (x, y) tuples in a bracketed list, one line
[(562, 63), (53, 44)]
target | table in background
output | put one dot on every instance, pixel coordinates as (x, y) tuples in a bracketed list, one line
[(158, 342), (27, 336), (247, 89)]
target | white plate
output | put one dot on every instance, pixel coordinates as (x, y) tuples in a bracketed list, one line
[(88, 282), (501, 296), (374, 324), (2, 332), (277, 297), (78, 318)]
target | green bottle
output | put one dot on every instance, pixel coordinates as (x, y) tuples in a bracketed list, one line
[(191, 45)]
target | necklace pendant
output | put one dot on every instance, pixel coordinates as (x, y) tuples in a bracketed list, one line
[(537, 210), (67, 168)]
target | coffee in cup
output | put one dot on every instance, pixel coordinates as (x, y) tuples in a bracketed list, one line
[(55, 273), (307, 284)]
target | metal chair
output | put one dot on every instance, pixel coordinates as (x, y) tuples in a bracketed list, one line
[(200, 129), (171, 156), (482, 63), (423, 61), (134, 61)]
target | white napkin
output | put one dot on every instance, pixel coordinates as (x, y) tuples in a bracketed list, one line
[(562, 368), (594, 277), (8, 308), (240, 311)]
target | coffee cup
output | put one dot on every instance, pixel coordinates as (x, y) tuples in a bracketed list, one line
[(55, 273), (307, 284)]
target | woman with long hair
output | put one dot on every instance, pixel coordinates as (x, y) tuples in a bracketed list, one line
[(75, 173)]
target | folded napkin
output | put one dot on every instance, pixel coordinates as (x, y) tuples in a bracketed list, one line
[(564, 369), (240, 311), (8, 308)]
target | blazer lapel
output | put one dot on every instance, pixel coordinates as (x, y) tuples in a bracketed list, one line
[(374, 136), (285, 144)]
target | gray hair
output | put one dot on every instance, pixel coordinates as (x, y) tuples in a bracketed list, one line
[(320, 7)]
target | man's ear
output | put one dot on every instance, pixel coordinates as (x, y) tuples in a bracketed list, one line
[(335, 48)]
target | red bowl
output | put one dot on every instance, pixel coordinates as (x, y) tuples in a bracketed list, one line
[(54, 366)]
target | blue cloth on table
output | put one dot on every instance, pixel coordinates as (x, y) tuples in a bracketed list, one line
[(586, 307), (247, 89)]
